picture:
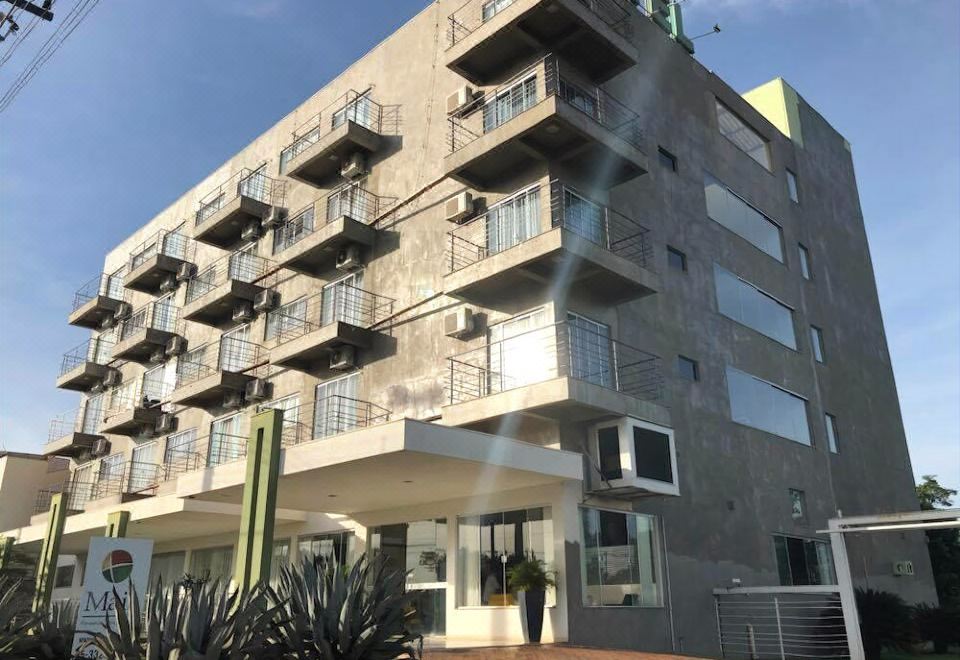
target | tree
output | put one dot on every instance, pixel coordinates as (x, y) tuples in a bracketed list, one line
[(943, 544), (932, 494)]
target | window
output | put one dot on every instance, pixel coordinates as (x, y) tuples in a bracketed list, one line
[(608, 448), (816, 341), (286, 321), (833, 435), (733, 212), (513, 220), (212, 564), (226, 443), (493, 7), (359, 110), (762, 405), (168, 567), (804, 261), (489, 545), (339, 545), (619, 562), (742, 135), (517, 353), (688, 369), (676, 259), (798, 504), (63, 577), (294, 229), (280, 558), (792, 187), (584, 218), (343, 300), (510, 102), (336, 409), (667, 159), (181, 454), (591, 352), (803, 562), (743, 302), (289, 407), (142, 474)]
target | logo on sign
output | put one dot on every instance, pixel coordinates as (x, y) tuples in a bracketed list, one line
[(117, 566)]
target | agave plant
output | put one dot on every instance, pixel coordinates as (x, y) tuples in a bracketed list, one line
[(51, 637), (338, 614), (14, 623)]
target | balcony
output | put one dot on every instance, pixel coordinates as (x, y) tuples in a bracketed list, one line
[(306, 332), (146, 331), (309, 244), (157, 260), (350, 125), (547, 112), (327, 417), (568, 372), (545, 236), (206, 375), (214, 293), (86, 365), (73, 433), (133, 407), (238, 203), (486, 37), (97, 301)]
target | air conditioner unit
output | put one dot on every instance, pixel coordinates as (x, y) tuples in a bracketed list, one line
[(459, 98), (101, 447), (176, 345), (251, 231), (243, 313), (158, 355), (233, 399), (343, 358), (168, 284), (107, 323), (459, 323), (349, 258), (124, 310), (459, 208), (633, 457), (258, 389), (274, 217), (166, 423), (354, 167), (112, 378), (266, 300), (186, 271)]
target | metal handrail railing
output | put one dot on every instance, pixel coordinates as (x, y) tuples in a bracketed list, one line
[(542, 80), (329, 416), (142, 477), (351, 200), (475, 13), (105, 284), (156, 315), (227, 354), (170, 243), (522, 216), (95, 350), (336, 303), (225, 448), (254, 184), (112, 483), (75, 421), (240, 266), (354, 106), (565, 349)]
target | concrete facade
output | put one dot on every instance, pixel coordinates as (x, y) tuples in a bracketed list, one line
[(734, 480)]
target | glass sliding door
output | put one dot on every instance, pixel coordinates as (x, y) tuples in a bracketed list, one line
[(513, 221), (337, 409), (143, 471), (591, 351), (343, 301), (226, 444), (585, 218), (520, 353)]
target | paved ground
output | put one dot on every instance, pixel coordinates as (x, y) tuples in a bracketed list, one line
[(543, 652)]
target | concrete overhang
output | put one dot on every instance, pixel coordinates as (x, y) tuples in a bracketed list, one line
[(540, 262), (321, 161), (71, 445), (167, 518), (401, 463), (223, 227), (526, 28), (215, 307), (94, 312), (208, 392), (131, 422), (564, 399), (83, 376), (141, 345), (554, 131), (317, 251), (148, 276), (308, 353)]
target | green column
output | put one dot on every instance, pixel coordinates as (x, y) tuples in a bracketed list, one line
[(255, 547), (117, 524), (6, 545), (50, 550)]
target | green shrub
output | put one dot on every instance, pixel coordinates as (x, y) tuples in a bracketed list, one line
[(530, 575), (938, 625), (885, 621)]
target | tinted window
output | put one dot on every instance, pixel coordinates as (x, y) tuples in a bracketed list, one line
[(804, 261), (746, 304), (676, 258), (757, 403), (608, 446), (803, 562), (833, 435), (734, 213), (792, 186), (743, 135), (652, 450), (667, 159), (816, 341), (687, 368)]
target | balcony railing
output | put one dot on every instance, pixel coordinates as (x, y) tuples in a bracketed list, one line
[(519, 218), (85, 419), (109, 286), (254, 184), (352, 106), (240, 266), (329, 416), (475, 13), (228, 354), (570, 349), (170, 243), (95, 350), (351, 200), (155, 315), (543, 80), (336, 303)]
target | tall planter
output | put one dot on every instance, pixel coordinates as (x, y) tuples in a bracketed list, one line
[(531, 614)]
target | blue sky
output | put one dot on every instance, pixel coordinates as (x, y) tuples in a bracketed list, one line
[(147, 98)]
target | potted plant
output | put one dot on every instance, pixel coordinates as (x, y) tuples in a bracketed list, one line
[(531, 579)]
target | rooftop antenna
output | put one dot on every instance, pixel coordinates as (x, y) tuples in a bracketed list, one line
[(715, 30)]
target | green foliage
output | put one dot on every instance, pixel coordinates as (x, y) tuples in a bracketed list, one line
[(530, 575), (932, 495), (333, 614), (938, 625), (885, 621), (943, 544), (14, 624), (52, 635)]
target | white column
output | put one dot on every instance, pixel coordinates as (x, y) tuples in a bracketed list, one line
[(848, 599)]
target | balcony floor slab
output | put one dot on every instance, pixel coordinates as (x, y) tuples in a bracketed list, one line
[(141, 345), (94, 312), (83, 376), (208, 392), (223, 228), (309, 352), (148, 276), (131, 422), (317, 251), (215, 307), (321, 161)]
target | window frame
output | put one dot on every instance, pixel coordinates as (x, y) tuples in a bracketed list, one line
[(767, 296), (805, 540), (804, 254), (833, 432), (710, 179), (694, 367), (767, 150), (679, 254), (803, 399), (817, 347), (793, 186), (667, 159)]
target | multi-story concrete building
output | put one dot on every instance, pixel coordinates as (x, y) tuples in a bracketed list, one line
[(525, 280)]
